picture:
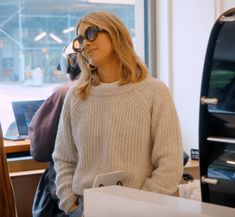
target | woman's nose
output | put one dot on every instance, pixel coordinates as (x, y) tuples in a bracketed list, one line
[(86, 43)]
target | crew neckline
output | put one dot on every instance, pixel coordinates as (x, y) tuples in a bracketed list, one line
[(114, 88), (111, 84), (110, 88)]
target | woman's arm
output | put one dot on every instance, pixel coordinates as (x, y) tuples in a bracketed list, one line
[(167, 151), (65, 158)]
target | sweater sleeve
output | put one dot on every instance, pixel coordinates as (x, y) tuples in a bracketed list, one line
[(43, 127), (65, 158), (167, 151)]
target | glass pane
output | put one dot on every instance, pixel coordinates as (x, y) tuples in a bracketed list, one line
[(32, 36), (222, 78)]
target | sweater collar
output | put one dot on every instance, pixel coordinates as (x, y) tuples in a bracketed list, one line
[(113, 88)]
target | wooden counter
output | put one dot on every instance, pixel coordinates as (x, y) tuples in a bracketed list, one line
[(16, 146), (25, 174), (23, 164), (17, 164), (192, 168), (25, 184), (192, 164)]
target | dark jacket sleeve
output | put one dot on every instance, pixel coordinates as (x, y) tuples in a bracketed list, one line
[(43, 127)]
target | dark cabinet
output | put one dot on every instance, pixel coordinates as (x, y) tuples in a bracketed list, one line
[(217, 114)]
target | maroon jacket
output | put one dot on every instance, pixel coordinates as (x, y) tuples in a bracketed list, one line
[(43, 127)]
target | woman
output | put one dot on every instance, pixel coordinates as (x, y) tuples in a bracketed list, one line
[(116, 118)]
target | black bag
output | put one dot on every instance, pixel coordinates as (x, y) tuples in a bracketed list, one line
[(45, 202)]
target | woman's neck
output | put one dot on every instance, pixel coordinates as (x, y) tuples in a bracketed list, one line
[(110, 72)]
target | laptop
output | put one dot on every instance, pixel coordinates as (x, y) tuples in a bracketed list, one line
[(23, 112), (106, 179)]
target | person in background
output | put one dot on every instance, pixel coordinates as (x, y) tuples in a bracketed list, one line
[(117, 117), (42, 134)]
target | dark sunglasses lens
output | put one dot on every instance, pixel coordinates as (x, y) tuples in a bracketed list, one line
[(77, 43), (91, 33)]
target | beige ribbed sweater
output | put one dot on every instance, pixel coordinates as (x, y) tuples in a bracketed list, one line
[(133, 127)]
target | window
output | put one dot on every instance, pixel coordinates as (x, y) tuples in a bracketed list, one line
[(32, 36)]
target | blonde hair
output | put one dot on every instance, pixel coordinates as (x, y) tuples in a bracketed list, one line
[(132, 69)]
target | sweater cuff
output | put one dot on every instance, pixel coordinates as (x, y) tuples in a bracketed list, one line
[(66, 203)]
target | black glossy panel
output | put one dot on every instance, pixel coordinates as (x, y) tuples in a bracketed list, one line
[(222, 75), (217, 120)]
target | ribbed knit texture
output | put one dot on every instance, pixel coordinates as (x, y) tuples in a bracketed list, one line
[(133, 127)]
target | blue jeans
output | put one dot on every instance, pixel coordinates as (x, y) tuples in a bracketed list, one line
[(79, 211)]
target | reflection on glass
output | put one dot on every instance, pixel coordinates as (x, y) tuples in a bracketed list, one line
[(221, 167), (222, 78)]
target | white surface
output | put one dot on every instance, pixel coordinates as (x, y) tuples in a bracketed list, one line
[(116, 201)]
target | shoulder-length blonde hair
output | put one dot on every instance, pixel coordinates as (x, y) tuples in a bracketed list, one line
[(132, 69)]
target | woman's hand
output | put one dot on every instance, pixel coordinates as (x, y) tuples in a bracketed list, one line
[(73, 207), (76, 210)]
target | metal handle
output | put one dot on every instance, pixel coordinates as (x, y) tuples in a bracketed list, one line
[(224, 19), (221, 139), (210, 181), (209, 101)]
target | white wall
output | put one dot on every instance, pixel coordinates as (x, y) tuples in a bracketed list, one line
[(183, 29)]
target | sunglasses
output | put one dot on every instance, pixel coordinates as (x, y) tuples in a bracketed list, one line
[(91, 34)]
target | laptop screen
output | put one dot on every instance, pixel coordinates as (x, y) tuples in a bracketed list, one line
[(23, 112)]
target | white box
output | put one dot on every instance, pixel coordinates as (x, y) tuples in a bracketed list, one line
[(117, 201)]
